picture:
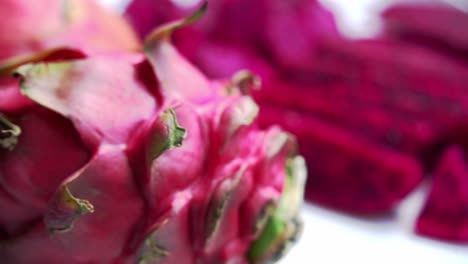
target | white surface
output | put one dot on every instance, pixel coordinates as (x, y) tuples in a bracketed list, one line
[(117, 5), (331, 237)]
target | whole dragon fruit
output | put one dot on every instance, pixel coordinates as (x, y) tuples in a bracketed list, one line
[(123, 157)]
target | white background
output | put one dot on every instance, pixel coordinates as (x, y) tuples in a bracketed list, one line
[(331, 237)]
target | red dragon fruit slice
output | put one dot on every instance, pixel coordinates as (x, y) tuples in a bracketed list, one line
[(348, 171), (305, 22), (404, 101), (445, 214), (158, 162), (395, 96), (409, 22)]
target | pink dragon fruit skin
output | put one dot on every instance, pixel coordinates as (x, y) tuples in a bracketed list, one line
[(445, 215), (156, 163), (80, 24), (101, 169), (63, 23)]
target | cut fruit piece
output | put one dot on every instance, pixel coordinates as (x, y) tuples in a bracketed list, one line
[(445, 214)]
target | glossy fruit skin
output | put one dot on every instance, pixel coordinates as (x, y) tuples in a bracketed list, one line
[(137, 157)]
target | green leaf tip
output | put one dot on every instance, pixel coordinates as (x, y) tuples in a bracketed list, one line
[(164, 32), (177, 133), (152, 251), (64, 210), (172, 135), (283, 226), (218, 205)]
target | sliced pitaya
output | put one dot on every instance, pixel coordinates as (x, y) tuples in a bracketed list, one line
[(348, 171), (390, 106), (393, 93), (139, 158), (445, 214), (442, 31)]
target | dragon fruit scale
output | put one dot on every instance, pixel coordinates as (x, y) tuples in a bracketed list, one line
[(33, 30), (32, 26), (129, 157)]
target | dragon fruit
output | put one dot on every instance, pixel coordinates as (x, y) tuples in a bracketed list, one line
[(79, 24), (121, 157), (372, 117), (392, 95), (406, 110), (243, 29), (408, 22), (31, 26), (350, 172), (445, 214)]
